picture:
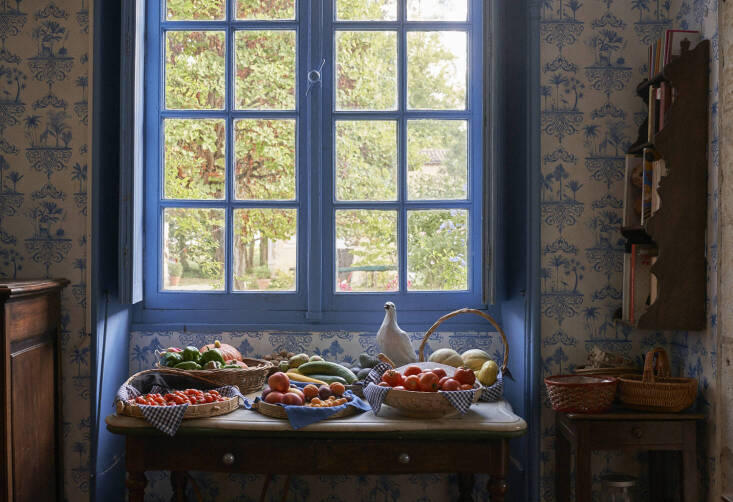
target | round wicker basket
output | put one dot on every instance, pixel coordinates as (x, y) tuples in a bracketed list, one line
[(277, 411), (581, 394), (657, 392), (425, 404), (194, 410), (248, 380)]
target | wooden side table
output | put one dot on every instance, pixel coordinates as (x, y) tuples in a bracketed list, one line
[(657, 433)]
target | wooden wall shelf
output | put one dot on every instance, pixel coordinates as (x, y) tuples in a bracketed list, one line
[(679, 226)]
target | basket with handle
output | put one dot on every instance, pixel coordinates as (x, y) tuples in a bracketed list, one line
[(655, 390), (250, 379), (495, 391)]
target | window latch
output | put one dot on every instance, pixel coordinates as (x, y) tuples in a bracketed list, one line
[(314, 77)]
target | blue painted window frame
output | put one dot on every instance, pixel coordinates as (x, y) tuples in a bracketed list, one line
[(314, 298)]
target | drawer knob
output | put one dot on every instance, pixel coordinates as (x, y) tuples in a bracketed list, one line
[(404, 458), (228, 459), (637, 432)]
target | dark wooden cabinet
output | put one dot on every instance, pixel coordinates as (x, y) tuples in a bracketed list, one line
[(30, 382)]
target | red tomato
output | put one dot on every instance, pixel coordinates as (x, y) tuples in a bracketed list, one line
[(413, 370), (209, 398), (178, 400), (383, 384), (465, 375), (451, 384), (440, 372), (466, 386), (412, 382), (400, 387), (442, 381), (140, 400), (213, 393), (392, 378), (429, 382)]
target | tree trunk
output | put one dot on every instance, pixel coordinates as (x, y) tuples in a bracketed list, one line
[(249, 257), (264, 248)]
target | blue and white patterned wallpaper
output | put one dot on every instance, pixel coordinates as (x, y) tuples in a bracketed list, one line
[(593, 54), (44, 79)]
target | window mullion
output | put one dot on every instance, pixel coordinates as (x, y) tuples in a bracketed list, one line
[(229, 159), (402, 149), (314, 113)]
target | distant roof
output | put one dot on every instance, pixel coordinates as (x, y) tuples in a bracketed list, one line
[(436, 155)]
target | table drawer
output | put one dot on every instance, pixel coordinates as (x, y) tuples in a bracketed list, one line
[(309, 456), (615, 435)]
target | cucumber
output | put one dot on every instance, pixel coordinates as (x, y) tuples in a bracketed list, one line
[(327, 368), (329, 379)]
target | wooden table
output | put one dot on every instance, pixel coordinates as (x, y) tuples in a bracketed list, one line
[(658, 433), (477, 442)]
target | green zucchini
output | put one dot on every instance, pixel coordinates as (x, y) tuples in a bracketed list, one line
[(329, 379), (327, 368)]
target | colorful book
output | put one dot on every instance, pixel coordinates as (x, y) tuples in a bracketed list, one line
[(647, 183)]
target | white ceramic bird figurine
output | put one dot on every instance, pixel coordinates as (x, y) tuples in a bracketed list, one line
[(392, 340)]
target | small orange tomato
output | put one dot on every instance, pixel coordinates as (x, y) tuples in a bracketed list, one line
[(413, 370), (440, 372), (392, 378), (412, 382), (451, 384), (428, 382)]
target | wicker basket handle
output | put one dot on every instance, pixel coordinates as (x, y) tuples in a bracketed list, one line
[(468, 311), (661, 369)]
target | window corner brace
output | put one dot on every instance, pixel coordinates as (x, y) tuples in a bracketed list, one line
[(314, 77)]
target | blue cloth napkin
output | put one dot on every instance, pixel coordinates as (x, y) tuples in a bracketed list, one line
[(300, 416), (461, 400), (167, 419)]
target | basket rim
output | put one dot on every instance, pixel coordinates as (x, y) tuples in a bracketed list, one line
[(601, 381), (661, 381)]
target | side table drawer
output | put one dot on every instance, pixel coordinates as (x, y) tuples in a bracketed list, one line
[(619, 434)]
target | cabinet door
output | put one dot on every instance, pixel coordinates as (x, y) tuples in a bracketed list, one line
[(33, 422)]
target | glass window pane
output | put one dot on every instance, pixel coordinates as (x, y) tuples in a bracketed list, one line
[(366, 70), (437, 166), (436, 70), (366, 250), (195, 10), (437, 250), (366, 160), (194, 159), (366, 10), (270, 10), (194, 70), (437, 10), (265, 249), (193, 255), (265, 73), (264, 159)]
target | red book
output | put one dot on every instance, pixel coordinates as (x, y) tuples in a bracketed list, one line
[(631, 289)]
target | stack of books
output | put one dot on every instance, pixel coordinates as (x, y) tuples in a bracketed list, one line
[(668, 47)]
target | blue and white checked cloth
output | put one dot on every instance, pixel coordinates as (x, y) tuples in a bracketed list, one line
[(461, 400), (167, 419)]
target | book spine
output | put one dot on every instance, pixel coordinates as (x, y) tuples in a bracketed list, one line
[(632, 278)]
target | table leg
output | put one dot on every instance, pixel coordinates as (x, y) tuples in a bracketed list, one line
[(178, 485), (136, 482), (657, 488), (465, 487), (499, 456), (497, 488), (689, 463), (562, 466), (583, 469)]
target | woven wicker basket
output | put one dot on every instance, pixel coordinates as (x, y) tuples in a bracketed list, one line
[(433, 405), (248, 380), (581, 394), (656, 390), (277, 411), (193, 411)]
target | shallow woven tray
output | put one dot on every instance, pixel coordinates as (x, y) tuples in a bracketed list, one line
[(247, 380), (193, 410), (277, 411), (425, 404)]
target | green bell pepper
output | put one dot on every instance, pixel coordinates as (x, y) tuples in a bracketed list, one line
[(212, 355), (191, 353), (188, 365), (170, 359)]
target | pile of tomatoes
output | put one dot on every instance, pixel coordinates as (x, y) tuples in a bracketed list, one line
[(188, 396), (418, 379)]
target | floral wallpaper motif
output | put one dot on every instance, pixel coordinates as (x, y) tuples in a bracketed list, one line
[(592, 56), (335, 346), (44, 75)]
